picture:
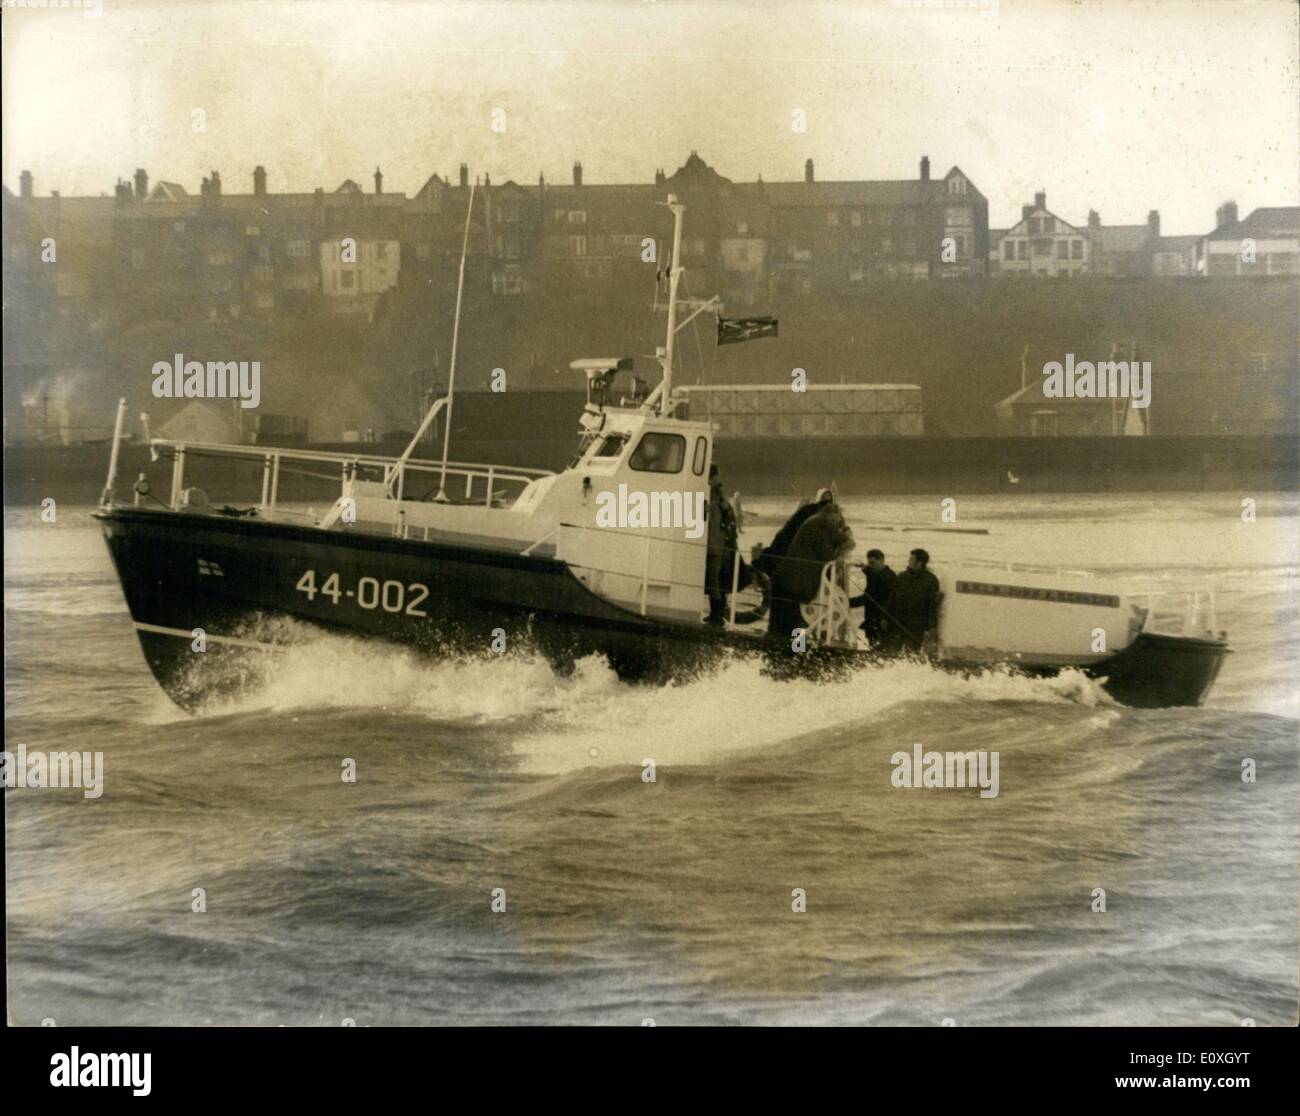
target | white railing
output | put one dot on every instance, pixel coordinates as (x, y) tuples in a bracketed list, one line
[(1018, 567), (1184, 612), (392, 469)]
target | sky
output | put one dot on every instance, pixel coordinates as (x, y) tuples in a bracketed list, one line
[(1122, 106)]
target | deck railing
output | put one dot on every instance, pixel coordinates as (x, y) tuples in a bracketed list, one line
[(393, 470)]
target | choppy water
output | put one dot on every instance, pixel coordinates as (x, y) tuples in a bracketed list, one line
[(669, 900)]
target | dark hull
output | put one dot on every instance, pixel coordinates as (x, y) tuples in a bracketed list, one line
[(241, 580)]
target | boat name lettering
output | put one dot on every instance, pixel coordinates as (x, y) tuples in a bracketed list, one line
[(1034, 593)]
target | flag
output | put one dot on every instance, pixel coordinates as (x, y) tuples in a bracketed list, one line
[(731, 330)]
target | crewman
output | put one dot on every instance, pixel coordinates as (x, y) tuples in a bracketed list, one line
[(823, 537), (720, 556), (880, 584), (913, 608)]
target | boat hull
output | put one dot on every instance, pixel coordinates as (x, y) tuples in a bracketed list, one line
[(235, 585)]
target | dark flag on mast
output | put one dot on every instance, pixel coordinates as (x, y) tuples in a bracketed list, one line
[(732, 330)]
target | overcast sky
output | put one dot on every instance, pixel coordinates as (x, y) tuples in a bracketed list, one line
[(1119, 106)]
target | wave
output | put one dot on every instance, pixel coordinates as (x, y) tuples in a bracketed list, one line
[(589, 717)]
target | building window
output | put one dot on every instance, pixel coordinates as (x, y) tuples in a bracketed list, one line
[(855, 218), (832, 217), (742, 254), (1022, 249), (856, 275), (1042, 425), (347, 280), (299, 249), (956, 186), (578, 217), (742, 228), (578, 245), (909, 216), (264, 273), (1076, 249), (958, 216), (252, 230), (137, 258), (1062, 249), (422, 252), (510, 214), (886, 246), (1008, 249)]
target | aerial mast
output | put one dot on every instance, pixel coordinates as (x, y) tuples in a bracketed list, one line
[(674, 277)]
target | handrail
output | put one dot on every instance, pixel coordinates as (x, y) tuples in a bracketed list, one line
[(375, 460)]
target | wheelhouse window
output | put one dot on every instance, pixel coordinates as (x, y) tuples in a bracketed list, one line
[(701, 451), (659, 453), (611, 445)]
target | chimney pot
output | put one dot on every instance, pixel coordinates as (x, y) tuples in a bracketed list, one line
[(577, 174), (259, 181), (464, 174), (808, 170), (925, 168), (1040, 199), (25, 184), (1153, 222), (141, 183), (1094, 219)]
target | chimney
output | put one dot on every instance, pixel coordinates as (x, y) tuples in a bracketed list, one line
[(214, 188), (577, 174), (807, 170), (1094, 219), (1040, 199), (464, 174), (660, 178), (141, 184), (379, 181), (541, 180), (925, 168), (318, 205), (259, 181), (487, 181), (1153, 222), (25, 184), (122, 191), (1225, 215), (1025, 211)]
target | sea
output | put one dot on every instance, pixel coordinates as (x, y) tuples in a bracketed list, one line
[(505, 854)]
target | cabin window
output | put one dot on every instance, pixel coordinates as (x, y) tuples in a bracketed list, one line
[(611, 446), (659, 453), (701, 452)]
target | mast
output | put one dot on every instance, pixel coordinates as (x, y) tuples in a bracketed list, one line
[(674, 277), (455, 338), (395, 471)]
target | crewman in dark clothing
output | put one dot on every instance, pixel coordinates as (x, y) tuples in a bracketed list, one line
[(880, 585), (913, 606), (723, 541), (769, 561), (822, 538), (785, 613)]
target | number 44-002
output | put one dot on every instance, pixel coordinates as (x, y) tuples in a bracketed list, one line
[(391, 596)]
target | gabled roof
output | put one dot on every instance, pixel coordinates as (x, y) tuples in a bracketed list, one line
[(348, 187), (167, 191), (1039, 211), (1265, 223)]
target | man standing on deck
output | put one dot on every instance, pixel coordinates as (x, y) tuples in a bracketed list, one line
[(913, 608), (880, 585), (822, 538)]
